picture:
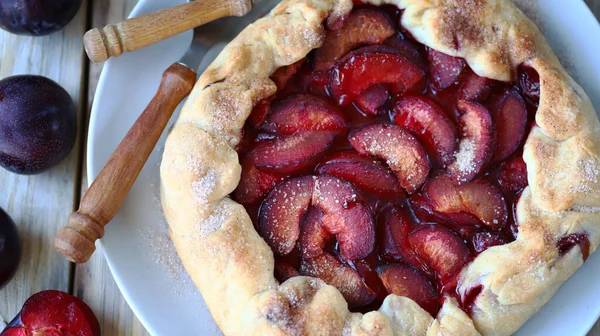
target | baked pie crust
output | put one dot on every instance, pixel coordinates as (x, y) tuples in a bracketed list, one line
[(232, 265)]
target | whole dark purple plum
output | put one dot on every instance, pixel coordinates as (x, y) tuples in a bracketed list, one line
[(38, 124), (10, 248), (36, 17)]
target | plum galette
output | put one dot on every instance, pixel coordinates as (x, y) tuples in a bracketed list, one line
[(399, 167)]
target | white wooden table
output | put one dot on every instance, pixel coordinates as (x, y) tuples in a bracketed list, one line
[(41, 204)]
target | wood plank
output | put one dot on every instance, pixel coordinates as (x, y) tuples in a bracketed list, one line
[(93, 281), (95, 285), (41, 204)]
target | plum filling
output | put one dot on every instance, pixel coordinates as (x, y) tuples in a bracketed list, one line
[(566, 243), (381, 166)]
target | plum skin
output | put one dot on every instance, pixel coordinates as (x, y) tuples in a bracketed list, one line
[(38, 124), (52, 312), (10, 248), (37, 17)]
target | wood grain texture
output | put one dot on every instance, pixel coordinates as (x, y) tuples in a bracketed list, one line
[(95, 285), (144, 30), (40, 204), (105, 196), (93, 281)]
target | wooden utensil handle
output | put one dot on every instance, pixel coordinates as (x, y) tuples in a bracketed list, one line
[(106, 194), (142, 31)]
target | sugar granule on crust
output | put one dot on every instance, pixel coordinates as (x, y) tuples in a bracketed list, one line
[(205, 185), (588, 169), (531, 9), (215, 221), (586, 209)]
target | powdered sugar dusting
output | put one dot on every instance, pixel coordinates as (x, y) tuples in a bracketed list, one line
[(459, 22), (589, 175), (193, 164), (465, 157), (313, 37), (531, 9), (205, 185), (215, 221), (590, 170), (284, 207), (326, 268), (401, 151), (347, 331), (225, 107), (159, 246), (278, 313), (376, 147), (157, 243), (381, 143), (586, 209), (445, 69), (162, 250), (459, 25)]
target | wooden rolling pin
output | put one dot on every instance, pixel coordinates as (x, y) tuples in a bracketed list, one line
[(142, 31), (108, 191)]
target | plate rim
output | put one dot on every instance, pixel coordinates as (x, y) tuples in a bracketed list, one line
[(90, 159)]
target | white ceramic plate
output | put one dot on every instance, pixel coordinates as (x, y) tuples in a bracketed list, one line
[(137, 247)]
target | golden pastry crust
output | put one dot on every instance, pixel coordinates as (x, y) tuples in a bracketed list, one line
[(233, 267)]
